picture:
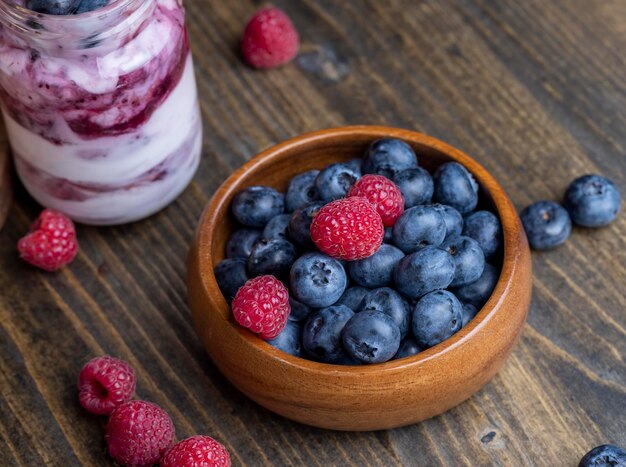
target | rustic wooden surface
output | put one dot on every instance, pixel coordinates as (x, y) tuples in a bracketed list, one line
[(534, 90)]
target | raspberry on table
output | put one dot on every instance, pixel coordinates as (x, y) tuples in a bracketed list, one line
[(348, 229), (262, 305), (51, 243), (383, 194), (105, 383), (138, 433), (270, 39), (196, 451)]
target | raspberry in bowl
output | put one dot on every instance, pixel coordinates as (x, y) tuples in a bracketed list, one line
[(336, 382), (100, 104)]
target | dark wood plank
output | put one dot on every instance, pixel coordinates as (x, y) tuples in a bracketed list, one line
[(534, 90)]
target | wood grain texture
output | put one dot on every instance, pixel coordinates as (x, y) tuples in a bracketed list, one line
[(533, 90)]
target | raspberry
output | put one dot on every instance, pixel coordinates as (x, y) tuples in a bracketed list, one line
[(262, 305), (270, 39), (105, 383), (138, 433), (383, 194), (195, 452), (348, 228), (51, 242)]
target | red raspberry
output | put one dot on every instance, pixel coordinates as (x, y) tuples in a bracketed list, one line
[(383, 194), (197, 451), (269, 40), (104, 383), (262, 305), (138, 433), (348, 228), (51, 242)]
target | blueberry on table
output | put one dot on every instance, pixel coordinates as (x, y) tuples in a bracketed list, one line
[(478, 292), (424, 271), (91, 5), (387, 157), (371, 337), (419, 227), (547, 224), (606, 455), (469, 259), (485, 228), (299, 311), (301, 190), (376, 270), (230, 275), (300, 223), (416, 186), (436, 316), (289, 340), (592, 201), (256, 205), (452, 218), (456, 187), (321, 334), (317, 280), (271, 256), (278, 227), (335, 181), (407, 348), (391, 303), (54, 7), (241, 242), (353, 297), (468, 313)]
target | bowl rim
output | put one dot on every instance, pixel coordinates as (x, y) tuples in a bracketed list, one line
[(511, 231)]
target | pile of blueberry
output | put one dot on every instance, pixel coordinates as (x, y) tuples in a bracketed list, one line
[(377, 258), (65, 7)]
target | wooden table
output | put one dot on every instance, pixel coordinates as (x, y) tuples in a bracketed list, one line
[(534, 90)]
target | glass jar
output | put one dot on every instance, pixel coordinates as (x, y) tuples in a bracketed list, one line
[(101, 108)]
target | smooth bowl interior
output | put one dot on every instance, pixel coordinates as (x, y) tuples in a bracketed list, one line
[(366, 397)]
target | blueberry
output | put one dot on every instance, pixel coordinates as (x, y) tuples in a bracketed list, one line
[(277, 227), (335, 181), (436, 316), (606, 455), (547, 224), (353, 297), (371, 337), (388, 235), (241, 241), (469, 260), (91, 5), (355, 164), (231, 274), (387, 157), (468, 313), (301, 190), (419, 227), (321, 334), (274, 257), (592, 201), (255, 206), (478, 292), (452, 218), (424, 271), (407, 348), (289, 340), (376, 270), (300, 223), (299, 311), (456, 187), (317, 280), (416, 186), (391, 303), (485, 228), (53, 7), (346, 359)]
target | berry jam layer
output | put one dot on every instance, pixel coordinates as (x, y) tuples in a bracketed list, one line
[(106, 132)]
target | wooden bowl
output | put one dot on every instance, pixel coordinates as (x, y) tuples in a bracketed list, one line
[(373, 397)]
